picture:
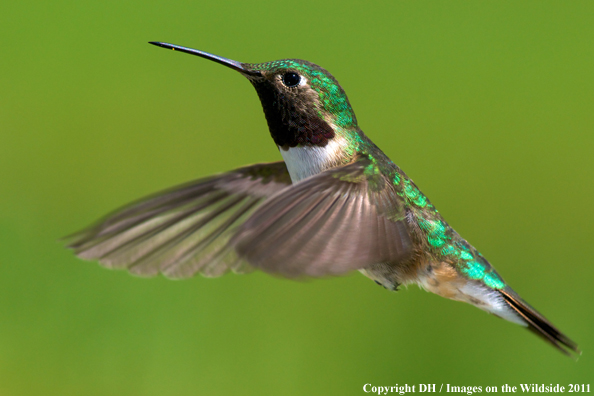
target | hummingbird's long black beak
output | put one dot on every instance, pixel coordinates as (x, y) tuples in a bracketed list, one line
[(215, 58)]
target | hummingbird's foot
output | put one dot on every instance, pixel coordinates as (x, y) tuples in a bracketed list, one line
[(383, 275), (392, 288)]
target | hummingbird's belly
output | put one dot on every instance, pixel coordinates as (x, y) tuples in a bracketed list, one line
[(443, 280)]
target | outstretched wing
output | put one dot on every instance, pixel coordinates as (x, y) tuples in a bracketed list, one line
[(340, 220), (184, 230)]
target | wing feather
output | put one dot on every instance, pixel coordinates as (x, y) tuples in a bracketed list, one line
[(184, 230), (337, 221), (343, 219)]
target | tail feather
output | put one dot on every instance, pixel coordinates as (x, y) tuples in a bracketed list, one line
[(538, 324)]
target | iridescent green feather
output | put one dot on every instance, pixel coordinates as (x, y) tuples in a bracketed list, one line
[(440, 239)]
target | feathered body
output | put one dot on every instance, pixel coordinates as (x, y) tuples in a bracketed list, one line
[(336, 204)]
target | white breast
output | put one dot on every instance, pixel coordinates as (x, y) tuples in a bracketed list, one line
[(306, 161)]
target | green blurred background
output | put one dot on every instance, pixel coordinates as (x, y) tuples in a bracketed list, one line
[(488, 106)]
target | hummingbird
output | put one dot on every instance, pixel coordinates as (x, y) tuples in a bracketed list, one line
[(335, 204)]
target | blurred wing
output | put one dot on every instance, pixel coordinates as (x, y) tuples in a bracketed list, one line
[(340, 220), (184, 230)]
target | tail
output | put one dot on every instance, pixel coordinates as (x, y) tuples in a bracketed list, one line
[(538, 324)]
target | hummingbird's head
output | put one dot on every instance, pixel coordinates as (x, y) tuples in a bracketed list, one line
[(303, 103)]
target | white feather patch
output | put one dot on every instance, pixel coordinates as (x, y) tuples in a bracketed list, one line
[(492, 302), (306, 161)]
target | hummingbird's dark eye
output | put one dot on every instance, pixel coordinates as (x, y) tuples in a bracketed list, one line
[(291, 79)]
